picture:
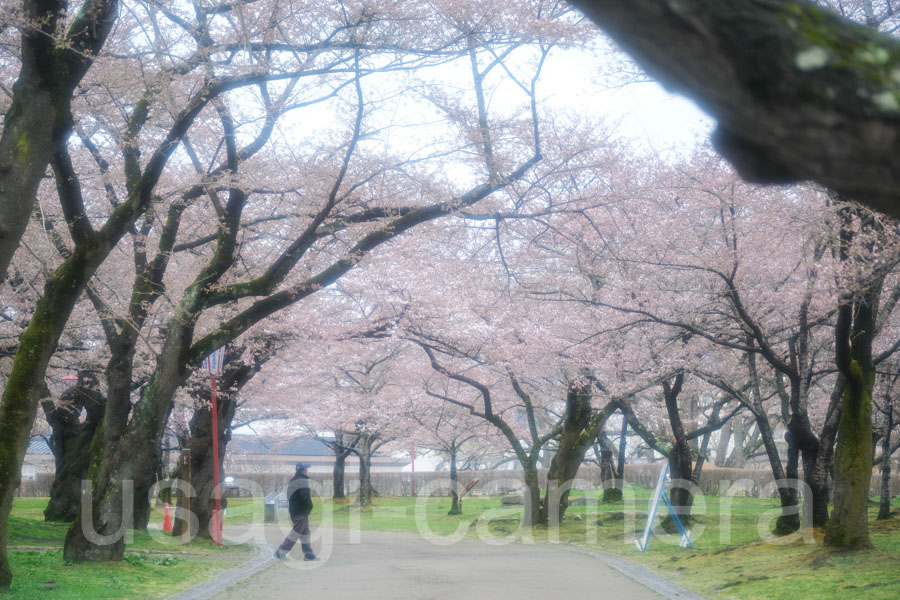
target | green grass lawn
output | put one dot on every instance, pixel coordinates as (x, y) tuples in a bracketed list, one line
[(729, 559), (150, 570)]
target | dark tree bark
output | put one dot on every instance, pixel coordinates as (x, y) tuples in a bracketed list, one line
[(680, 462), (238, 371), (364, 450), (339, 486), (854, 335), (614, 493), (70, 443), (822, 480), (789, 521), (704, 445), (579, 430), (342, 445), (884, 505), (611, 487), (39, 118), (455, 506), (202, 464), (783, 79)]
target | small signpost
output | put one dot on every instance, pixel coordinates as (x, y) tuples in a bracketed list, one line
[(660, 494), (214, 363)]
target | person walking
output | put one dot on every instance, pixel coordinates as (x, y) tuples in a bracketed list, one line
[(299, 506)]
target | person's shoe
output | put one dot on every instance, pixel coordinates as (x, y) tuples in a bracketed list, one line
[(278, 555), (310, 557)]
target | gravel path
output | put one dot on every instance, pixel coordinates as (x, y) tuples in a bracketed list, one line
[(378, 565)]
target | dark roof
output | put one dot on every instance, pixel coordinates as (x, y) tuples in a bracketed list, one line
[(298, 446)]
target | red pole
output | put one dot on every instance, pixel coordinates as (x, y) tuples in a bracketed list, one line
[(413, 453), (217, 515)]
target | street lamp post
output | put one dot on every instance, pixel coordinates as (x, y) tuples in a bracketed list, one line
[(214, 363)]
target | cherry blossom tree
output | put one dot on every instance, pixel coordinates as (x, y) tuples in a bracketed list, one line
[(448, 430), (201, 98)]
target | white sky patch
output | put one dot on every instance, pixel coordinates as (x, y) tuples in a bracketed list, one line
[(652, 117)]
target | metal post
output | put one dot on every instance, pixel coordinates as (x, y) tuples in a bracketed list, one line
[(186, 498), (217, 514), (413, 453)]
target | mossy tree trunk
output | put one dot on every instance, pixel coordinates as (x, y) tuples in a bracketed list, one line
[(39, 116), (849, 525), (238, 371), (202, 463), (25, 383), (855, 332), (37, 123), (117, 462), (579, 431), (70, 443)]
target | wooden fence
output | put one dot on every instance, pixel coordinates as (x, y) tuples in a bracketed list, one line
[(714, 481)]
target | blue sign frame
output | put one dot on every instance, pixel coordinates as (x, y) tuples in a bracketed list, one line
[(660, 494)]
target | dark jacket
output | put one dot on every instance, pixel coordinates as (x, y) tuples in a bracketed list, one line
[(299, 499)]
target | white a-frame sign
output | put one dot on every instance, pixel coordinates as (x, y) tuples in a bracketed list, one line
[(660, 493)]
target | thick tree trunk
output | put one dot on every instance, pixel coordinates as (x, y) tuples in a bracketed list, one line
[(120, 459), (884, 506), (680, 463), (822, 477), (854, 333), (338, 483), (39, 116), (202, 464), (25, 383), (70, 443), (572, 445), (611, 488), (849, 526), (533, 495), (364, 452), (143, 484)]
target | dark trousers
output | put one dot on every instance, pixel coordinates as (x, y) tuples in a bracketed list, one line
[(300, 531)]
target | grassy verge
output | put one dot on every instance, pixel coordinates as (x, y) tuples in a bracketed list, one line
[(729, 560), (151, 569)]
